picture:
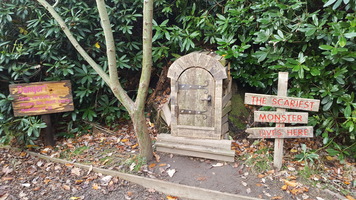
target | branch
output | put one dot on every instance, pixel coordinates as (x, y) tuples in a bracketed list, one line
[(55, 4), (147, 54), (74, 42), (115, 85)]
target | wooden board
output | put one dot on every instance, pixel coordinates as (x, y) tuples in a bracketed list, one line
[(281, 117), (280, 132), (203, 148), (282, 102), (41, 98)]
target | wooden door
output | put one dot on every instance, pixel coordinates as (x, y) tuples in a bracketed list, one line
[(196, 98)]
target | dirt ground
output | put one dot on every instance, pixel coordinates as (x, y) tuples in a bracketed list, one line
[(234, 178), (25, 177)]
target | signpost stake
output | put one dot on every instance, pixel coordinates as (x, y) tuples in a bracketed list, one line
[(278, 143), (49, 133)]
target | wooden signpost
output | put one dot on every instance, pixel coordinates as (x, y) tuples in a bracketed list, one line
[(280, 116), (42, 98)]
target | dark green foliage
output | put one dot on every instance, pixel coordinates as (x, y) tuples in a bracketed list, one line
[(312, 40)]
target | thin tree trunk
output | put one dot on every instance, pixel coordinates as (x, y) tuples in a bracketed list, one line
[(135, 109), (143, 136)]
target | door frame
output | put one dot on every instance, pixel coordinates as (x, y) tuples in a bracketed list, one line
[(218, 72)]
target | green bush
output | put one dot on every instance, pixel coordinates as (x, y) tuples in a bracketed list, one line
[(312, 40)]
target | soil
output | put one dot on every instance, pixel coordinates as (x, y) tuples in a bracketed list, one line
[(25, 177), (235, 178)]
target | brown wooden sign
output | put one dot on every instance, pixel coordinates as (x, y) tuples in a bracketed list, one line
[(281, 117), (281, 132), (41, 98), (282, 102)]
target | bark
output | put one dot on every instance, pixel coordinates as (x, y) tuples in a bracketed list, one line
[(135, 109)]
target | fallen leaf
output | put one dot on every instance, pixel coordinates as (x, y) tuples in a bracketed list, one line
[(69, 165), (201, 178), (90, 169), (218, 165), (169, 197), (267, 194), (134, 146), (244, 183), (75, 198), (261, 175), (7, 178), (291, 177), (77, 182), (76, 171), (105, 161), (132, 166), (22, 194), (162, 165), (105, 180), (124, 140), (26, 184), (329, 158), (350, 197), (4, 197), (248, 190), (276, 197), (150, 190), (152, 165), (300, 190), (129, 193), (95, 186), (36, 188), (66, 187), (7, 170), (284, 187), (23, 154), (171, 172), (290, 183), (158, 158)]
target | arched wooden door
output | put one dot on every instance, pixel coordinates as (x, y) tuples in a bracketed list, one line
[(196, 98)]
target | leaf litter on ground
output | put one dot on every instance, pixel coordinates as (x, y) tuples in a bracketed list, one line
[(111, 149)]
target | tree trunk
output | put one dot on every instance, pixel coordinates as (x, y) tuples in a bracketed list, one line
[(135, 109), (144, 140)]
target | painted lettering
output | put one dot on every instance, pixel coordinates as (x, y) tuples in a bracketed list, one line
[(258, 100), (31, 89), (27, 104), (279, 118)]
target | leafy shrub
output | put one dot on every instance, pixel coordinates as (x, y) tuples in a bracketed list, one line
[(312, 40)]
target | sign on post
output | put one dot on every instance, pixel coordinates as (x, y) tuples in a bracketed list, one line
[(41, 98), (280, 117)]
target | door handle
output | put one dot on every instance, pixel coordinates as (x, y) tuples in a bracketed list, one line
[(208, 99)]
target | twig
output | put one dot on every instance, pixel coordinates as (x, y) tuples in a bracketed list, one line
[(55, 4)]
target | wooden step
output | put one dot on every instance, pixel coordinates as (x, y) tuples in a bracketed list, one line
[(202, 148)]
